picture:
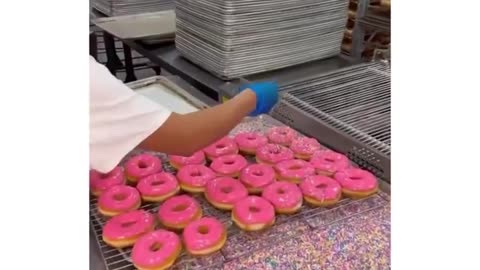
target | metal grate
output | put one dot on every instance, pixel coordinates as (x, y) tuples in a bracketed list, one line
[(354, 101), (240, 243)]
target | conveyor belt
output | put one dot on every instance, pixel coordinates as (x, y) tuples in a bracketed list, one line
[(348, 109)]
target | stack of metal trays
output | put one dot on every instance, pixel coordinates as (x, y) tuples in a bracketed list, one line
[(237, 38), (130, 7), (347, 109)]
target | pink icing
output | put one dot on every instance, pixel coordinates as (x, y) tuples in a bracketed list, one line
[(128, 225), (224, 146), (254, 210), (99, 182), (158, 184), (197, 158), (356, 179), (155, 248), (229, 164), (281, 135), (178, 210), (283, 194), (203, 233), (294, 168), (321, 188), (305, 146), (250, 140), (119, 198), (143, 165), (225, 190), (195, 175), (257, 175), (274, 153), (329, 161)]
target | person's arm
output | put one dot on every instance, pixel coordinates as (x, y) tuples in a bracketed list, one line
[(185, 134)]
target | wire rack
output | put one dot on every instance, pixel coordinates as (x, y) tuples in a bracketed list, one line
[(241, 243)]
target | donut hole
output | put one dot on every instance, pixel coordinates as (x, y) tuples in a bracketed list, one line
[(203, 229), (356, 178), (195, 174), (220, 146), (253, 209), (281, 191), (104, 175), (329, 159), (142, 164), (180, 208), (229, 162), (158, 183), (119, 197), (226, 189), (295, 167), (156, 246), (251, 138), (321, 186), (128, 224), (258, 173), (283, 132)]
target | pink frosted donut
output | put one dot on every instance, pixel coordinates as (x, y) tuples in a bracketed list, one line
[(224, 192), (357, 183), (118, 199), (125, 229), (141, 166), (158, 187), (198, 158), (321, 190), (271, 154), (229, 165), (99, 182), (328, 162), (255, 177), (156, 250), (248, 142), (281, 135), (286, 197), (304, 147), (176, 212), (294, 170), (204, 236), (193, 178), (253, 213), (224, 146)]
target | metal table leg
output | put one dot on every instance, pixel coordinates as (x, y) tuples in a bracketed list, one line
[(130, 72), (93, 45), (113, 62)]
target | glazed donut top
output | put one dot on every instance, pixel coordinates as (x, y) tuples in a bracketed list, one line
[(195, 175), (128, 225), (119, 198), (155, 248), (224, 146), (229, 164), (225, 190), (101, 182), (281, 135), (179, 208), (321, 188), (254, 210), (294, 168), (143, 165), (283, 194), (305, 146), (197, 158), (250, 140), (257, 175), (356, 179), (274, 153), (203, 233), (157, 184), (329, 161)]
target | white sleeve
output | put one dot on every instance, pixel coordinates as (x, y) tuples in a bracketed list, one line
[(120, 119)]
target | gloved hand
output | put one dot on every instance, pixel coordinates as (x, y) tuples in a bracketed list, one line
[(267, 96)]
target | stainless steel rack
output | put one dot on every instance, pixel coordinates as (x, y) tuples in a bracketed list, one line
[(348, 109), (130, 7)]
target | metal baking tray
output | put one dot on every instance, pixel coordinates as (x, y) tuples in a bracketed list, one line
[(347, 109), (156, 25), (242, 244), (130, 7)]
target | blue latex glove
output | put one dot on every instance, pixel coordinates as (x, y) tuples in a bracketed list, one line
[(267, 96)]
